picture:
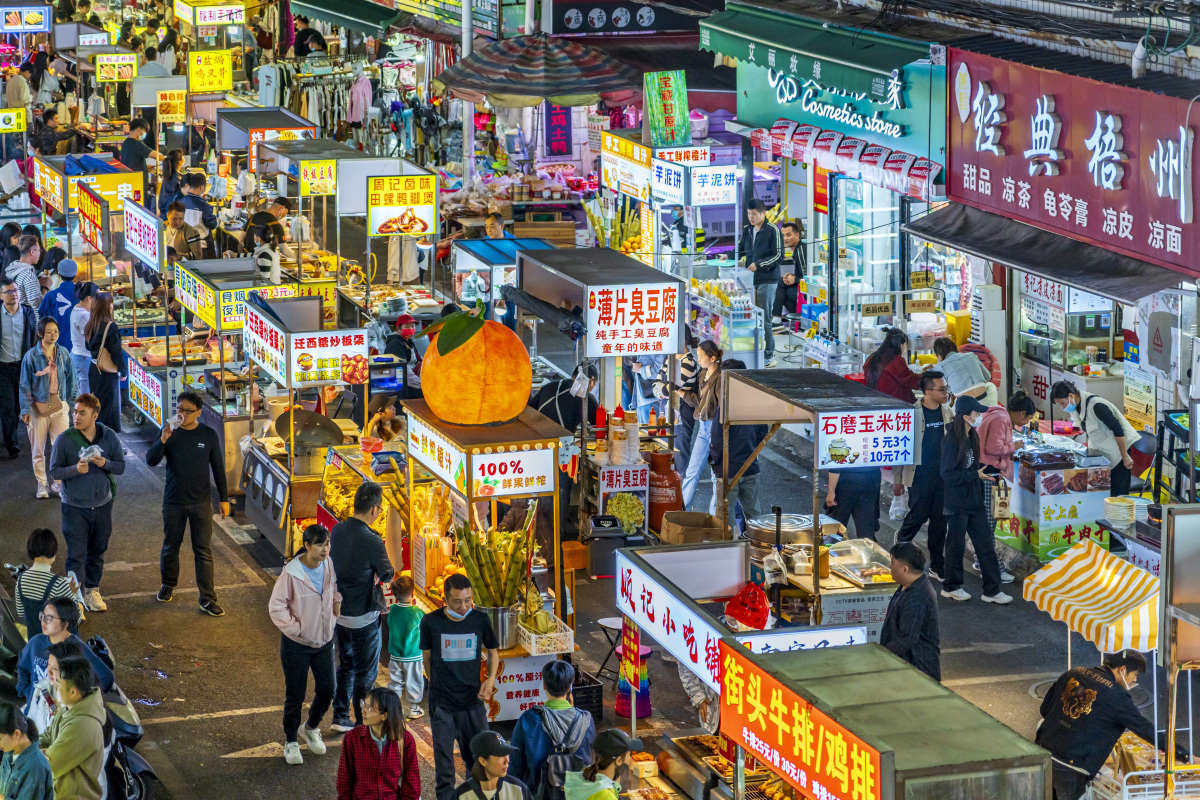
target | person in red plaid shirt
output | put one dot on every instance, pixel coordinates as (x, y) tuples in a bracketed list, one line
[(379, 757)]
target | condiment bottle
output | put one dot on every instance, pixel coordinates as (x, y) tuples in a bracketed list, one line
[(601, 422)]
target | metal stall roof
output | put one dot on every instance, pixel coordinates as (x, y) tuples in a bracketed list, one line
[(234, 124), (797, 395)]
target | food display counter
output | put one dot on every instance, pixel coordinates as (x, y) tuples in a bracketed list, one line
[(483, 266), (387, 303), (58, 188), (348, 467)]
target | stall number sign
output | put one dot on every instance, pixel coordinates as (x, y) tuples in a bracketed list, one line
[(513, 473), (631, 320), (852, 439), (668, 182), (91, 217), (13, 120), (143, 235), (196, 296), (318, 178), (93, 39), (625, 165), (322, 358), (402, 205), (172, 106), (49, 184), (436, 454), (818, 757), (27, 19), (624, 479), (265, 343), (145, 391), (210, 71), (233, 302), (116, 67), (715, 186)]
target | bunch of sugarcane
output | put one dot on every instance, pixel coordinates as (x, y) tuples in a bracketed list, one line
[(625, 226), (497, 562)]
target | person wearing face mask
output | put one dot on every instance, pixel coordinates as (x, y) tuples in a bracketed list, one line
[(454, 639), (401, 344), (966, 478), (679, 227), (1108, 432), (1084, 714), (599, 781), (24, 771)]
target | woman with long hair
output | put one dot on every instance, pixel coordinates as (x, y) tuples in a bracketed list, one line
[(1108, 432), (305, 605), (104, 346), (967, 478), (48, 390), (266, 257), (887, 368), (172, 172), (25, 772), (43, 81), (9, 234), (708, 361), (613, 753), (689, 381), (379, 757), (85, 295), (167, 50)]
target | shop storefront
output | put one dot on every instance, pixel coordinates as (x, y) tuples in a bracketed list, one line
[(855, 117)]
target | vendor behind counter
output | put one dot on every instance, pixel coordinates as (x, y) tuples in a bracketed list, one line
[(1108, 432)]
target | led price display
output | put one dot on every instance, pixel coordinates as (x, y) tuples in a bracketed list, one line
[(402, 205), (850, 439)]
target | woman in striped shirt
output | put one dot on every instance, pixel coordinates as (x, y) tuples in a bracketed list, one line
[(38, 585)]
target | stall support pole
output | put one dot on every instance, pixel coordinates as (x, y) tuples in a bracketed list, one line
[(558, 566), (739, 774), (815, 553), (468, 111)]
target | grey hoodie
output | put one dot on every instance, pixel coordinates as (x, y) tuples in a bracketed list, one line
[(91, 489), (25, 278)]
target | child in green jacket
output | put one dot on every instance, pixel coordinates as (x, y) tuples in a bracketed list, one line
[(406, 676)]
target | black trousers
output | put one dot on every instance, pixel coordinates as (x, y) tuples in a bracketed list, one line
[(1068, 784), (960, 526), (198, 517), (297, 660), (926, 498), (446, 727), (358, 663), (106, 386), (1121, 478), (10, 404), (860, 504), (87, 531)]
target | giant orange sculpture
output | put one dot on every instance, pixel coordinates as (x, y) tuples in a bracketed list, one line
[(476, 372)]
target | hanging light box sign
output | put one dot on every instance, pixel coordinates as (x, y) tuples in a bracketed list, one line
[(210, 71), (402, 205), (318, 178), (117, 67), (172, 106)]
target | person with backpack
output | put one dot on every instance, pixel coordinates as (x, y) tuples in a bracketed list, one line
[(553, 739), (38, 585)]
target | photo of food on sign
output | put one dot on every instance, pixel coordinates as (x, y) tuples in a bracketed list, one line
[(401, 206), (328, 358)]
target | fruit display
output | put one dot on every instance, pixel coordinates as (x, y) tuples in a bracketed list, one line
[(631, 245), (496, 562), (438, 590), (619, 231)]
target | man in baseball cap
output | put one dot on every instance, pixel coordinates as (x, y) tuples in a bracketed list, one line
[(489, 771), (57, 303)]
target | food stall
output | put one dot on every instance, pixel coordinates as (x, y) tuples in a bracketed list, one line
[(238, 129), (483, 266), (283, 470), (854, 428), (628, 309), (106, 176), (859, 723)]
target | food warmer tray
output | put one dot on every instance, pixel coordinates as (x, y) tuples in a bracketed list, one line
[(862, 562), (224, 386), (694, 780)]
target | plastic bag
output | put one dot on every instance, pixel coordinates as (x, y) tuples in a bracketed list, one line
[(775, 568), (899, 507)]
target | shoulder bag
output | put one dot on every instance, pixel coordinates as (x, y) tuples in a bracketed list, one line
[(104, 361), (52, 405)]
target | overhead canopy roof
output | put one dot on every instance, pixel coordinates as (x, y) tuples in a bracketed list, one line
[(1048, 255), (357, 15), (664, 53), (797, 395)]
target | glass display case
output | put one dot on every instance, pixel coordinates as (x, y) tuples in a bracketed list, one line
[(346, 468), (1082, 328), (861, 561)]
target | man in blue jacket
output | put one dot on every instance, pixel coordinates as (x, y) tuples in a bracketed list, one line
[(57, 304), (557, 724)]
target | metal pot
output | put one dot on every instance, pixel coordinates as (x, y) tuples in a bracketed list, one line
[(504, 623), (795, 529)]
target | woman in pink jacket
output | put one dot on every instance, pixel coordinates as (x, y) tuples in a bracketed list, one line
[(305, 605), (996, 445)]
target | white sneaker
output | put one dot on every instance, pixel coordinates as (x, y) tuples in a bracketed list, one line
[(43, 491), (94, 601), (999, 598), (770, 362), (934, 575), (291, 753), (416, 712), (313, 736), (957, 594), (1006, 576)]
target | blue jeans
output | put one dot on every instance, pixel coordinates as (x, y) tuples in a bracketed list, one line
[(698, 460), (81, 371), (764, 298), (685, 423), (358, 665)]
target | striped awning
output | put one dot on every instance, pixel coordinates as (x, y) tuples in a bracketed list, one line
[(1110, 602)]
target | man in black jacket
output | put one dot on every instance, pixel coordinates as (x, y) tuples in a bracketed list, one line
[(793, 268), (1085, 713), (910, 629), (761, 246), (359, 561), (743, 439)]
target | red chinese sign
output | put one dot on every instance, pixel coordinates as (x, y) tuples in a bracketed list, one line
[(92, 209), (558, 130), (1096, 162), (631, 645), (630, 320), (821, 759)]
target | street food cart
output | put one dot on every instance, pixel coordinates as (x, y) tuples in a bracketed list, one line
[(59, 190), (483, 266)]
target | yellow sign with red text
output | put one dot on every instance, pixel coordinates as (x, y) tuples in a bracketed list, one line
[(318, 178), (210, 71), (172, 106), (402, 205)]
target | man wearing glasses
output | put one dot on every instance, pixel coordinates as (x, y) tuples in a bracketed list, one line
[(17, 336), (923, 476), (192, 451)]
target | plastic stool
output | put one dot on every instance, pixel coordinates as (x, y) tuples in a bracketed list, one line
[(624, 689), (611, 628)]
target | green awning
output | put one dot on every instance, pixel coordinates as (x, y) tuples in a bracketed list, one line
[(847, 59), (357, 15)]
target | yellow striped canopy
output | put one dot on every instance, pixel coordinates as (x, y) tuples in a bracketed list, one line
[(1112, 603)]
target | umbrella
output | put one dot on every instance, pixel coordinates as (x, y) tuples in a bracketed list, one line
[(525, 70)]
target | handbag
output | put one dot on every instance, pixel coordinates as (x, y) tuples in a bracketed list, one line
[(1001, 500), (104, 362), (51, 406)]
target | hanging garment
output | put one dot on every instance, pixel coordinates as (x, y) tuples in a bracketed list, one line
[(360, 100)]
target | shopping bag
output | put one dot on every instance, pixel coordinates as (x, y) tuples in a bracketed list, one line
[(39, 707), (1001, 500), (899, 508)]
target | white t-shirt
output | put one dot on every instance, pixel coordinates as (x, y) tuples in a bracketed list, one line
[(268, 88), (79, 320)]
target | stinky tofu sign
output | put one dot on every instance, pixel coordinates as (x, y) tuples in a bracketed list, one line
[(850, 439), (630, 320), (820, 758), (1093, 161)]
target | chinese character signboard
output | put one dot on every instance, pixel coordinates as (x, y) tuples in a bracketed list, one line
[(172, 106), (697, 156), (558, 131), (271, 134), (1140, 401), (596, 124), (116, 67), (631, 649), (669, 182), (667, 108), (265, 341), (1097, 162), (320, 357), (210, 71), (93, 210), (850, 439), (318, 178), (209, 15), (714, 186), (625, 165), (233, 302), (115, 187), (13, 120), (518, 687), (402, 205), (145, 391), (198, 297), (436, 454), (514, 473), (49, 185), (143, 235), (27, 19), (630, 479), (630, 320), (1055, 509), (93, 39), (818, 757)]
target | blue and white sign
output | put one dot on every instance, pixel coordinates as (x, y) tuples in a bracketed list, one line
[(668, 182), (714, 186)]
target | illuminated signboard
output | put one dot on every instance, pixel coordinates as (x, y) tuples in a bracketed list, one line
[(143, 235), (116, 67), (172, 106), (93, 39), (27, 19), (200, 14), (437, 454), (13, 120), (630, 320), (402, 205), (210, 71), (195, 295), (92, 209), (265, 342), (850, 439), (324, 357), (318, 178), (233, 302), (625, 165), (145, 391), (271, 134)]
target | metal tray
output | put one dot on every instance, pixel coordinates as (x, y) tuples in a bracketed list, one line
[(690, 747), (850, 576)]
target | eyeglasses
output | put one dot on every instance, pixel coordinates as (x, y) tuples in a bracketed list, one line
[(183, 410), (48, 618), (9, 292)]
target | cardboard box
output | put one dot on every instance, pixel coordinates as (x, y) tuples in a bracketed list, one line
[(691, 527)]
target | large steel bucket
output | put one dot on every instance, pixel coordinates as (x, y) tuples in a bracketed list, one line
[(504, 623)]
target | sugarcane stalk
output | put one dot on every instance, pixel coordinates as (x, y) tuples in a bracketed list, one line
[(472, 568)]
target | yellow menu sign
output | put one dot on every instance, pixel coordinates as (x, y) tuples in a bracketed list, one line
[(318, 178), (172, 106), (12, 120), (210, 71)]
